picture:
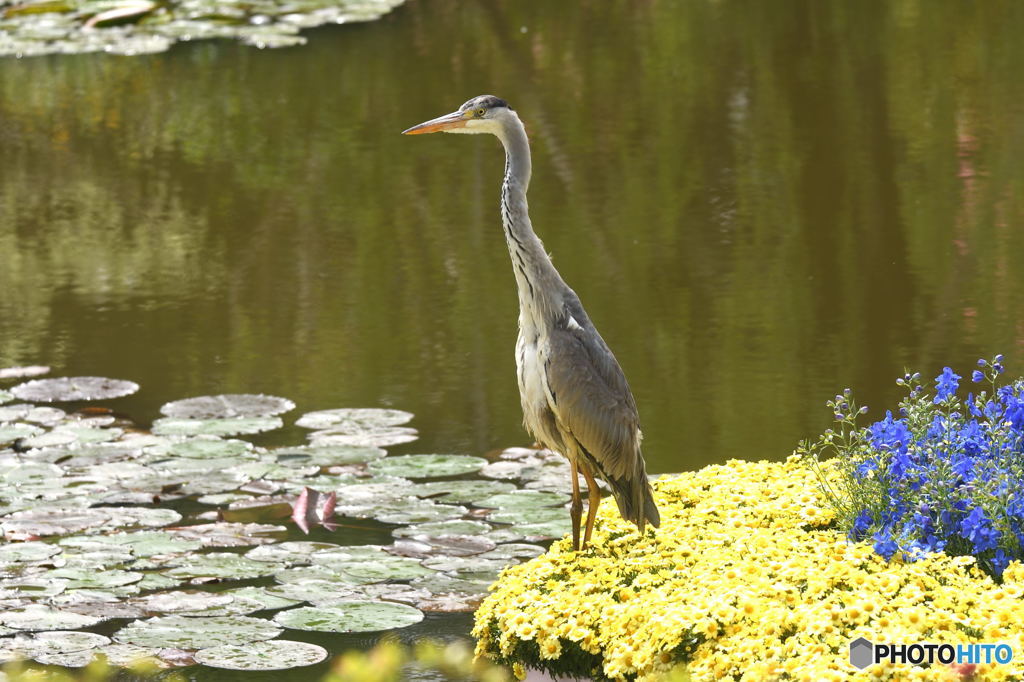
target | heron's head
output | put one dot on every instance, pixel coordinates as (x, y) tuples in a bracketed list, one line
[(482, 114)]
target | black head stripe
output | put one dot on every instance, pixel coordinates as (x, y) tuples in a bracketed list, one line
[(486, 102)]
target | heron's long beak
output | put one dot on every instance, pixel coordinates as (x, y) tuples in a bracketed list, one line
[(439, 124)]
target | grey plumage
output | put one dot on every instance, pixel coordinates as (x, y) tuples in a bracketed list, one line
[(574, 395)]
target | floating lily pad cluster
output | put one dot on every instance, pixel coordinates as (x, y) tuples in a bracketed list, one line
[(100, 526), (131, 27)]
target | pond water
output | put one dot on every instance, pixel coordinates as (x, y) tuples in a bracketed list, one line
[(759, 204)]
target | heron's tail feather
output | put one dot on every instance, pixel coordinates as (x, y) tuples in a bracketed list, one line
[(636, 500)]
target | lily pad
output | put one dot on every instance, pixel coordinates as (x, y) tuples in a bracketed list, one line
[(427, 466), (435, 528), (229, 534), (203, 448), (31, 587), (460, 491), (328, 455), (14, 552), (523, 499), (38, 522), (382, 437), (184, 632), (422, 546), (288, 552), (219, 565), (68, 389), (316, 591), (353, 420), (40, 617), (417, 511), (261, 596), (62, 641), (529, 515), (11, 432), (182, 600), (6, 397), (353, 616), (278, 654), (173, 426), (228, 406), (79, 578)]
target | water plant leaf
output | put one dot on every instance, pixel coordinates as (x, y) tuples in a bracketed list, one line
[(353, 420), (529, 515), (435, 528), (182, 600), (421, 546), (352, 616), (90, 578), (61, 641), (73, 389), (278, 654), (206, 447), (31, 587), (440, 583), (427, 466), (262, 596), (173, 426), (523, 499), (223, 565), (382, 437), (196, 632), (513, 550), (393, 568), (6, 397), (417, 511), (462, 491), (41, 617), (23, 372), (229, 534), (315, 591), (40, 522), (328, 455), (131, 11), (291, 552), (228, 406), (12, 432), (15, 552)]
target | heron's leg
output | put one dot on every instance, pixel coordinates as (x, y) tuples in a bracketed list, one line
[(576, 508), (593, 500)]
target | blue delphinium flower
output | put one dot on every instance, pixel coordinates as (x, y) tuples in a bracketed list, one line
[(945, 384), (890, 434), (978, 529), (885, 545), (861, 525), (977, 376)]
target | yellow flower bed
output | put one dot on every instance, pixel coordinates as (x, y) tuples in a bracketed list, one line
[(744, 580)]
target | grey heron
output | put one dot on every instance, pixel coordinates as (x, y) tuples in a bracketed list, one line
[(575, 398)]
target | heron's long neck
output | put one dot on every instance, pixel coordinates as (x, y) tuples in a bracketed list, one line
[(540, 286)]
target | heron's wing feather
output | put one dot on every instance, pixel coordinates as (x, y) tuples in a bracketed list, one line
[(591, 396)]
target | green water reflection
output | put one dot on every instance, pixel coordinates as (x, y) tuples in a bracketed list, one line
[(759, 203)]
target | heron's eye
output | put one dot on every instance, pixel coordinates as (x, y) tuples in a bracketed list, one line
[(480, 113)]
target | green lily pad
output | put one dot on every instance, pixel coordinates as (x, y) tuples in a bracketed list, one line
[(40, 522), (328, 455), (31, 587), (68, 389), (172, 426), (306, 574), (144, 543), (460, 491), (379, 438), (6, 397), (219, 565), (40, 617), (513, 550), (62, 641), (262, 596), (182, 600), (421, 546), (436, 528), (79, 578), (23, 372), (427, 466), (229, 406), (529, 515), (16, 552), (395, 568), (293, 552), (545, 530), (353, 616), (353, 420), (125, 655), (11, 432), (316, 591), (206, 447), (229, 534), (440, 583), (278, 654), (183, 632), (522, 499), (416, 511)]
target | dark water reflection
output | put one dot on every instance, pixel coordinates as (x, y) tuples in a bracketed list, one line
[(759, 203)]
